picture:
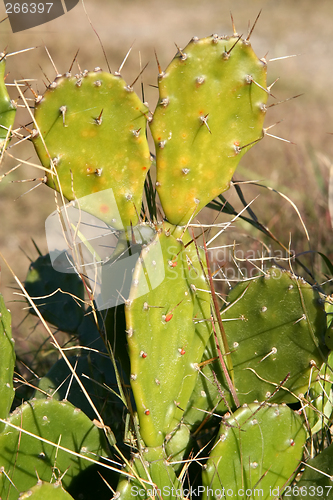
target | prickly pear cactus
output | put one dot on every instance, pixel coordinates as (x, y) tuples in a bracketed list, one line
[(7, 361), (91, 138), (7, 106), (182, 408), (256, 453), (210, 112)]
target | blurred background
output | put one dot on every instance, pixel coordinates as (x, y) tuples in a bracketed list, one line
[(301, 171)]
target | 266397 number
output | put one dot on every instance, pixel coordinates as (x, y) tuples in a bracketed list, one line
[(28, 8), (304, 491)]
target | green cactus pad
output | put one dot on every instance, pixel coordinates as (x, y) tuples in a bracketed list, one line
[(25, 458), (7, 362), (165, 336), (210, 112), (46, 491), (275, 330), (256, 453), (58, 296), (93, 127), (7, 107)]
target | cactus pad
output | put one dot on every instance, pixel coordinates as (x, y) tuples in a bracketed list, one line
[(93, 128), (278, 333), (165, 336), (46, 491), (211, 110), (24, 457), (7, 362), (257, 452)]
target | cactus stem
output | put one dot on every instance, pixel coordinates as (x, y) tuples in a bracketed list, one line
[(253, 26)]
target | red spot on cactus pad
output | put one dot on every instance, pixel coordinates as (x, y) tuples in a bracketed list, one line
[(104, 209), (168, 317), (147, 412)]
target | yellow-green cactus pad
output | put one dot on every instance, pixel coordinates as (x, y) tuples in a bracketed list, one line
[(210, 111), (92, 135)]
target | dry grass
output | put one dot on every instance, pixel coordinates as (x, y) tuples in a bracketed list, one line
[(300, 171)]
